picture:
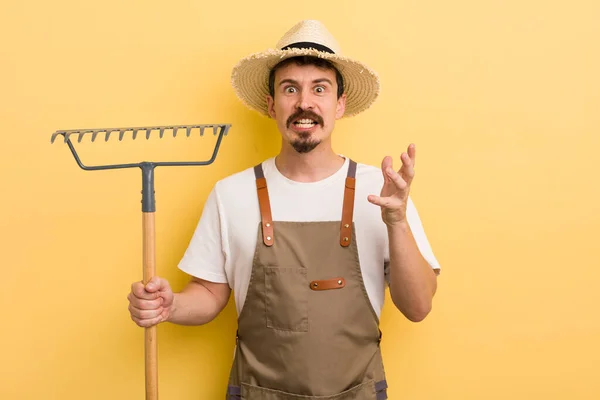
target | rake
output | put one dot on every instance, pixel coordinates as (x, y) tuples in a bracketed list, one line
[(148, 208)]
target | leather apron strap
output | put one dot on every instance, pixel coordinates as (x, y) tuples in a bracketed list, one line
[(348, 209), (265, 206)]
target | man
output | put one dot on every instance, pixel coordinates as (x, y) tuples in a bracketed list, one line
[(302, 240)]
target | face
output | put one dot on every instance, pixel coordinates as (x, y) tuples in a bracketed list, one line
[(305, 105)]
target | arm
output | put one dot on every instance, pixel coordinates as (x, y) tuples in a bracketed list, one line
[(202, 300), (199, 302), (412, 281)]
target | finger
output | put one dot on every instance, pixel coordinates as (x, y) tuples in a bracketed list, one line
[(159, 286), (154, 284), (138, 290), (397, 180), (407, 171), (144, 323), (378, 201), (385, 202), (412, 153), (145, 314), (145, 304), (164, 288), (387, 162)]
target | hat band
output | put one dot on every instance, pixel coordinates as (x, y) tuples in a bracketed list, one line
[(308, 45)]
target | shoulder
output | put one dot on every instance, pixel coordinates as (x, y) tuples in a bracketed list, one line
[(368, 171), (237, 189), (368, 176), (235, 184)]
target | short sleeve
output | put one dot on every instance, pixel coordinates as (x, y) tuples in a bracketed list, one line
[(205, 256), (419, 234)]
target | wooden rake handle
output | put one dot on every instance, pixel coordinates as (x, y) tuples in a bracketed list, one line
[(150, 343), (148, 208)]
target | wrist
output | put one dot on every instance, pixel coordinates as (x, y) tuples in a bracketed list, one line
[(173, 308), (400, 226)]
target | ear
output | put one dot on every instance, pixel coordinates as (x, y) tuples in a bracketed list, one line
[(341, 106), (271, 106)]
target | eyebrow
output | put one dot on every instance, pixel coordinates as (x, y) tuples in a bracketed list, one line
[(293, 82)]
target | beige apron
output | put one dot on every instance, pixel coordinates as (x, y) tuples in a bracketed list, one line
[(307, 329)]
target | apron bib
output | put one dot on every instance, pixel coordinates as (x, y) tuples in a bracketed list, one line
[(307, 329)]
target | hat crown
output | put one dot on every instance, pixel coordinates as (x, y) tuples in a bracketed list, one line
[(309, 31)]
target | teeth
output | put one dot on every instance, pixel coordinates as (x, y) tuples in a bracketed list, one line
[(305, 123)]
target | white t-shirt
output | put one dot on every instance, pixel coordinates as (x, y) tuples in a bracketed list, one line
[(222, 247)]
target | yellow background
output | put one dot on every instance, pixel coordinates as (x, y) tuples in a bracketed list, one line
[(502, 99)]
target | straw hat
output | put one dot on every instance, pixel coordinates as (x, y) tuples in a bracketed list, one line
[(250, 77)]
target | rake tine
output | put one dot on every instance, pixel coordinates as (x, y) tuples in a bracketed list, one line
[(148, 131), (81, 134), (94, 134), (202, 130), (226, 127), (175, 131), (54, 135), (161, 133), (188, 131), (135, 131), (122, 133), (216, 129)]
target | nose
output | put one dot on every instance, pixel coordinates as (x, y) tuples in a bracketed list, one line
[(305, 101)]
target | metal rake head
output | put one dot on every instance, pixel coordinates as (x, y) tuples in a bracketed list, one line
[(218, 129), (148, 199), (146, 129)]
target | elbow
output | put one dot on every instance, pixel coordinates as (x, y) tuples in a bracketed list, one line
[(415, 313)]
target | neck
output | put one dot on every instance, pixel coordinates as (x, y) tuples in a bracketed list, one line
[(313, 166)]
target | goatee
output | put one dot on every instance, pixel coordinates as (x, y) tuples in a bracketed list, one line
[(305, 144)]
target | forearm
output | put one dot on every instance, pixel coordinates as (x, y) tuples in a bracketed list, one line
[(196, 304), (412, 281)]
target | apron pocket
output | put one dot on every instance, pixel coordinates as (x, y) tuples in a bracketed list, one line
[(364, 391), (286, 299)]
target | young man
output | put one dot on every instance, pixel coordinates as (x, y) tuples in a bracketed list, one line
[(302, 239)]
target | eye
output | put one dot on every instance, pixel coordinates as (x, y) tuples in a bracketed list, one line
[(290, 89), (320, 89)]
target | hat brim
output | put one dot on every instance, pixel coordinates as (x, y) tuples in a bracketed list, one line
[(250, 78)]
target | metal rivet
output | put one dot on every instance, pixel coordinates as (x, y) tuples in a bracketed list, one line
[(268, 237), (346, 226), (339, 282), (267, 224), (346, 239), (315, 284)]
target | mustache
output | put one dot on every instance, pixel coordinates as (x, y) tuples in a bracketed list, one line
[(301, 114)]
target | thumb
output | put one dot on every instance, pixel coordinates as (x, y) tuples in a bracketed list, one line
[(155, 284), (378, 201)]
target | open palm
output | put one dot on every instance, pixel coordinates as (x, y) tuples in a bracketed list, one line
[(393, 198)]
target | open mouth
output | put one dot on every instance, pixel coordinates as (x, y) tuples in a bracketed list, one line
[(304, 120), (305, 123)]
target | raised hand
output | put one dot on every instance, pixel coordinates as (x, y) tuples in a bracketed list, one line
[(396, 187)]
